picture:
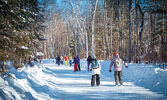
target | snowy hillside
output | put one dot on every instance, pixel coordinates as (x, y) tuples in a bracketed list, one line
[(52, 82)]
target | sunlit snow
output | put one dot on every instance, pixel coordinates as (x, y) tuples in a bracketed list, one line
[(49, 81)]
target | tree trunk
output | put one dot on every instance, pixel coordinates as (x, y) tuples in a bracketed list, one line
[(20, 60), (86, 44), (111, 31), (137, 32), (120, 32), (130, 3), (106, 32), (15, 63), (3, 66), (93, 21)]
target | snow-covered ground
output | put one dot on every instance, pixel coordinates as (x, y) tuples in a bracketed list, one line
[(52, 82)]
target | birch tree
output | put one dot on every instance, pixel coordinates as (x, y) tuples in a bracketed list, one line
[(80, 29), (93, 21)]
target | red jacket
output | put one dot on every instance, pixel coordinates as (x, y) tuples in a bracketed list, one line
[(65, 58)]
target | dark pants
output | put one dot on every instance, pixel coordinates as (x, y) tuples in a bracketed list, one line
[(79, 67), (61, 61), (58, 62), (118, 77), (97, 80), (70, 62), (88, 65)]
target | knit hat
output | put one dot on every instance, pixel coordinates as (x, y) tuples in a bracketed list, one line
[(115, 53)]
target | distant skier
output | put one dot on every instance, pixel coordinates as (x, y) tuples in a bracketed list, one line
[(70, 60), (95, 67), (65, 59), (58, 59), (61, 59), (89, 61), (117, 62), (75, 64), (78, 62)]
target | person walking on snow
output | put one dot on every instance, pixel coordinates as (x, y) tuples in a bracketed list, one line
[(70, 60), (65, 59), (61, 59), (89, 61), (75, 65), (117, 62), (58, 60), (78, 62), (95, 67)]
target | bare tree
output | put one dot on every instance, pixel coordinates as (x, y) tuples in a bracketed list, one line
[(93, 21)]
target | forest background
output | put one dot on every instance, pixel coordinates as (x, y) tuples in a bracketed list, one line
[(137, 29)]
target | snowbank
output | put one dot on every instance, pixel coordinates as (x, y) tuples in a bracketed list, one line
[(147, 76)]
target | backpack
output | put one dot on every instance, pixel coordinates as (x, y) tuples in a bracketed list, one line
[(94, 64), (118, 62)]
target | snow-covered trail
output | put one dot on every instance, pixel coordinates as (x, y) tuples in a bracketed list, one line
[(70, 85)]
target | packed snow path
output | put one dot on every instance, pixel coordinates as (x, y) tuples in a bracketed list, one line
[(76, 85), (52, 82)]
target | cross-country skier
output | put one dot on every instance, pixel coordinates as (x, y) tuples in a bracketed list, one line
[(89, 61), (78, 60), (58, 60), (95, 67), (117, 62), (70, 60), (75, 64), (65, 60)]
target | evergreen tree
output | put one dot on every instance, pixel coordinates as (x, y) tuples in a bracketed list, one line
[(17, 17)]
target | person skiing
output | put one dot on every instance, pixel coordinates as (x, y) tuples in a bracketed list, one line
[(65, 59), (117, 62), (95, 67), (70, 60), (75, 64), (61, 59), (89, 61), (78, 62), (58, 60)]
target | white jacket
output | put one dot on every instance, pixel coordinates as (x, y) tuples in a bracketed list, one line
[(97, 70)]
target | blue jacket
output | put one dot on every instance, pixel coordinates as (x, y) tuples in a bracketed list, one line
[(75, 61)]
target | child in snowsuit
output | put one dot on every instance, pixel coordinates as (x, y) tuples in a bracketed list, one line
[(75, 65), (117, 62), (95, 67), (89, 61)]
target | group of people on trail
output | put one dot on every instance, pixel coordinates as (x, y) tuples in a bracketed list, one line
[(61, 59), (95, 67), (76, 61)]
